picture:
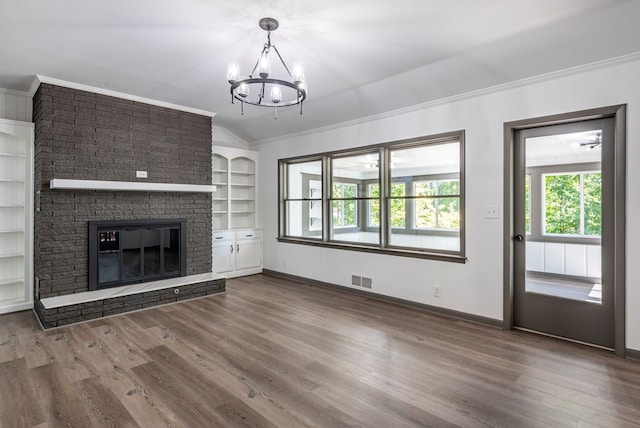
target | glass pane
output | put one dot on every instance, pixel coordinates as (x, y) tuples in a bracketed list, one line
[(398, 204), (345, 212), (304, 219), (108, 256), (373, 205), (592, 204), (562, 204), (354, 170), (571, 207), (355, 190), (171, 250), (420, 216), (426, 213), (448, 213), (130, 253), (527, 204), (299, 177), (151, 239)]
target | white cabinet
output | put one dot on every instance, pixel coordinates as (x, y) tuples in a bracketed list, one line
[(16, 215), (249, 250), (237, 253)]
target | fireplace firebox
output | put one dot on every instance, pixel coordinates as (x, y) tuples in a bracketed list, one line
[(123, 252)]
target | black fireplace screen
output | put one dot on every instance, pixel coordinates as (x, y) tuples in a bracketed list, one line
[(124, 252)]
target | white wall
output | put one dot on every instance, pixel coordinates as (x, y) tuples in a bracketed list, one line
[(226, 138), (475, 287), (15, 106)]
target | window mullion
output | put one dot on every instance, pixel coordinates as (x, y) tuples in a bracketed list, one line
[(326, 195), (385, 192)]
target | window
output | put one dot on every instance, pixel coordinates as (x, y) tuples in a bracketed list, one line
[(403, 198), (348, 195), (303, 199), (572, 204)]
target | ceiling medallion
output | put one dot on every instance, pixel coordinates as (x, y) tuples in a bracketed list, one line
[(261, 88)]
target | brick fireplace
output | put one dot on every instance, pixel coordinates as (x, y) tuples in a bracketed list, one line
[(87, 136)]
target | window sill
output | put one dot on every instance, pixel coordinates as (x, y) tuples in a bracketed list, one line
[(418, 254)]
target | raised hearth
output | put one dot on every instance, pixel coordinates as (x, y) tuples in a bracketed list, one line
[(73, 308)]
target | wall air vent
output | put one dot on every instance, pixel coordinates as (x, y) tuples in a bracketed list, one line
[(366, 282), (356, 280)]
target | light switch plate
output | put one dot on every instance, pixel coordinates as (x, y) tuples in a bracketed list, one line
[(492, 211)]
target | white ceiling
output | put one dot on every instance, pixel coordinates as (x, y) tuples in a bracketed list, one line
[(362, 57)]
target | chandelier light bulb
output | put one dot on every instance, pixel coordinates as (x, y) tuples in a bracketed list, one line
[(264, 68), (276, 94), (233, 71), (298, 73), (243, 90)]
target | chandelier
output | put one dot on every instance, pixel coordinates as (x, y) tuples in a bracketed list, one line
[(261, 88)]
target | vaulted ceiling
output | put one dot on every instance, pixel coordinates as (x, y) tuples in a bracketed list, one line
[(361, 57)]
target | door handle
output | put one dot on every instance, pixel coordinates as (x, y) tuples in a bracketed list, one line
[(518, 238), (237, 248), (232, 248)]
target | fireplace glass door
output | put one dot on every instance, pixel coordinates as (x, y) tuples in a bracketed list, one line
[(130, 253)]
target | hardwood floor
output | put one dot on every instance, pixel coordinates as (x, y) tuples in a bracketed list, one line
[(276, 353)]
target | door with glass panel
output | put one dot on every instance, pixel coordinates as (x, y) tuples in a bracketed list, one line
[(563, 222)]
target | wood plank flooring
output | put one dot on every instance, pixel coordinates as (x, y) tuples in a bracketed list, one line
[(276, 353)]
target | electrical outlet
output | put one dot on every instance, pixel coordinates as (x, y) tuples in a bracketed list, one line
[(436, 291), (141, 174)]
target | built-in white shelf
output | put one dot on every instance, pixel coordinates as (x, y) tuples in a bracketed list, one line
[(11, 255), (139, 186), (16, 215), (9, 281)]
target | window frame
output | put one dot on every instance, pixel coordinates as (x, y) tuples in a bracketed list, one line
[(363, 201)]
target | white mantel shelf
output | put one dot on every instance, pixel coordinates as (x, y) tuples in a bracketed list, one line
[(128, 186)]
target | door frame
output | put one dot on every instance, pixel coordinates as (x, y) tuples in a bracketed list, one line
[(618, 112)]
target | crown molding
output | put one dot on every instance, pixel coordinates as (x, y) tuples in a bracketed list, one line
[(71, 85), (467, 95), (16, 93)]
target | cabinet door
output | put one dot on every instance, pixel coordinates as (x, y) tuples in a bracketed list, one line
[(223, 253), (248, 254)]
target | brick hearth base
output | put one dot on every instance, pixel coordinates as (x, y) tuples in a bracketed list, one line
[(64, 310)]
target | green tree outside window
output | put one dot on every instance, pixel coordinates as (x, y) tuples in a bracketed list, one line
[(398, 209), (437, 213), (345, 210), (572, 204)]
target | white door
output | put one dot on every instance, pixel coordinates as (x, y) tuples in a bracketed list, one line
[(223, 256)]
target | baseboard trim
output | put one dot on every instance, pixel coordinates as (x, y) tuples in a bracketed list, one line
[(427, 308), (632, 354)]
